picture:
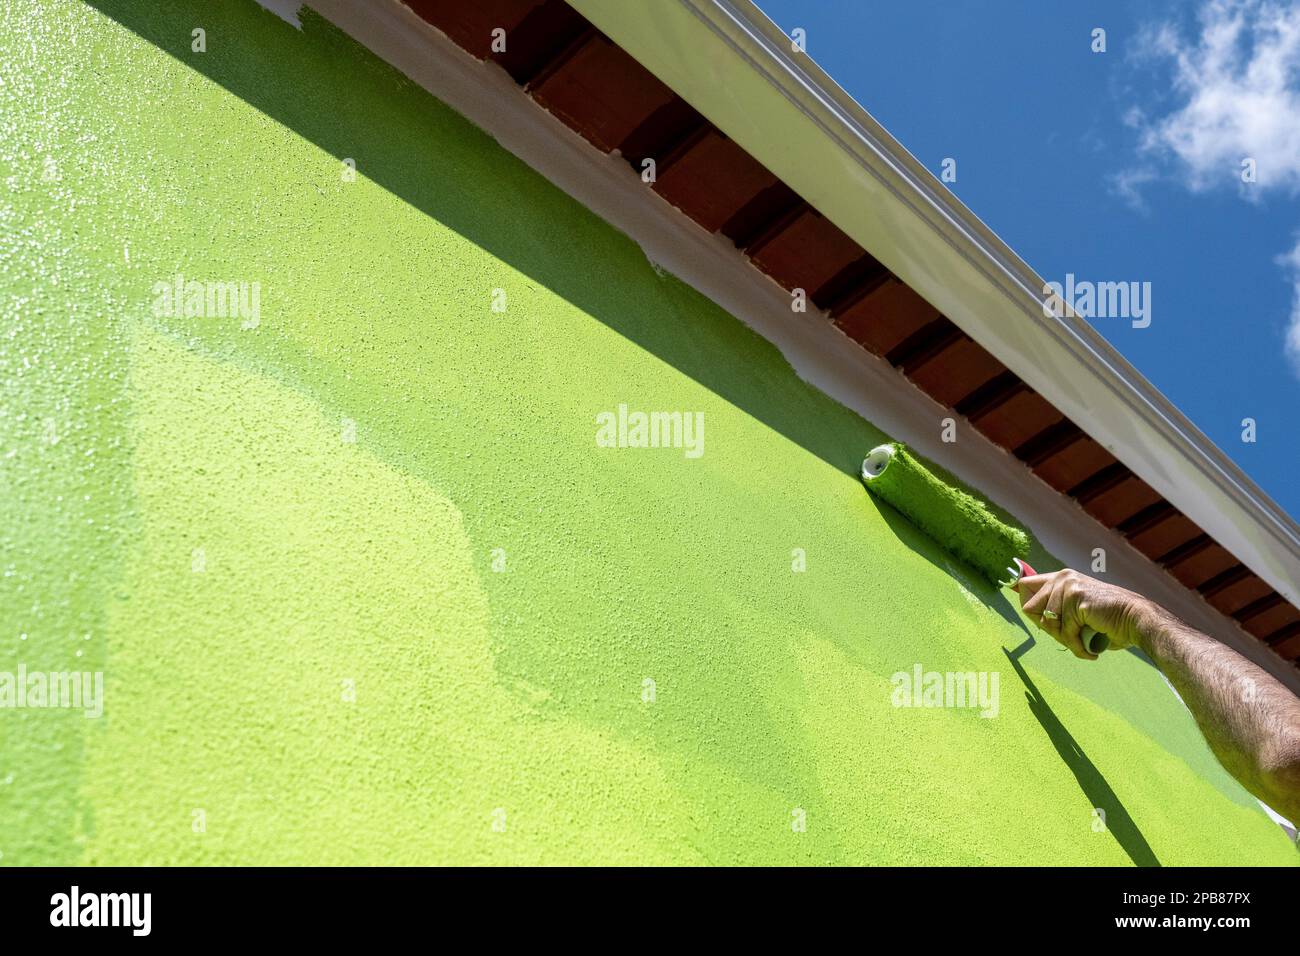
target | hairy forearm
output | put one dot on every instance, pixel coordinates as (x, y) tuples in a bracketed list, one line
[(1249, 718)]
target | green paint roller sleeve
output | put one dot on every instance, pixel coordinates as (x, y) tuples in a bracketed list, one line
[(959, 522)]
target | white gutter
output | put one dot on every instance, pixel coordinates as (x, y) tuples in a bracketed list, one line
[(735, 66)]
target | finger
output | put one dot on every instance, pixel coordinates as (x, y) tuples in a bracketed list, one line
[(1052, 610), (1071, 635), (1072, 630), (1077, 650), (1037, 602), (1030, 586)]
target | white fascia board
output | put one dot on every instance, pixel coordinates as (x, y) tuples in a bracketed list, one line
[(735, 66)]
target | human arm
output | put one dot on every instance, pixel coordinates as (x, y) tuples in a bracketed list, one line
[(1250, 719)]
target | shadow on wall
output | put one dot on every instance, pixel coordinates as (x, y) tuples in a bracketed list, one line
[(916, 540), (311, 95), (1093, 784)]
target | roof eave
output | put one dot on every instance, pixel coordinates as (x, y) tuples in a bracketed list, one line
[(737, 68)]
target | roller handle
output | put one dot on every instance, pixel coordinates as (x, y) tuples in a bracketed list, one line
[(1094, 641)]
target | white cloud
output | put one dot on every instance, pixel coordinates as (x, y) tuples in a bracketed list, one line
[(1291, 262), (1127, 185), (1237, 81), (1236, 86)]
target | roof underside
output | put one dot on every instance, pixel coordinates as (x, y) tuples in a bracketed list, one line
[(581, 76)]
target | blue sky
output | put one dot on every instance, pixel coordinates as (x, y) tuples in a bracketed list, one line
[(1118, 166)]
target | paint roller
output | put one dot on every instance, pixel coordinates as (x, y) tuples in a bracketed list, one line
[(956, 520)]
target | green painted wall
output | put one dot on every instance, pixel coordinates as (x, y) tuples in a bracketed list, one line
[(130, 441)]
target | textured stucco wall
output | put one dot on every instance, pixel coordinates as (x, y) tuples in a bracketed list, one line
[(184, 508)]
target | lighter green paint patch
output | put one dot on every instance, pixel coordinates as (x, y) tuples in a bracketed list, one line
[(431, 619), (347, 686)]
